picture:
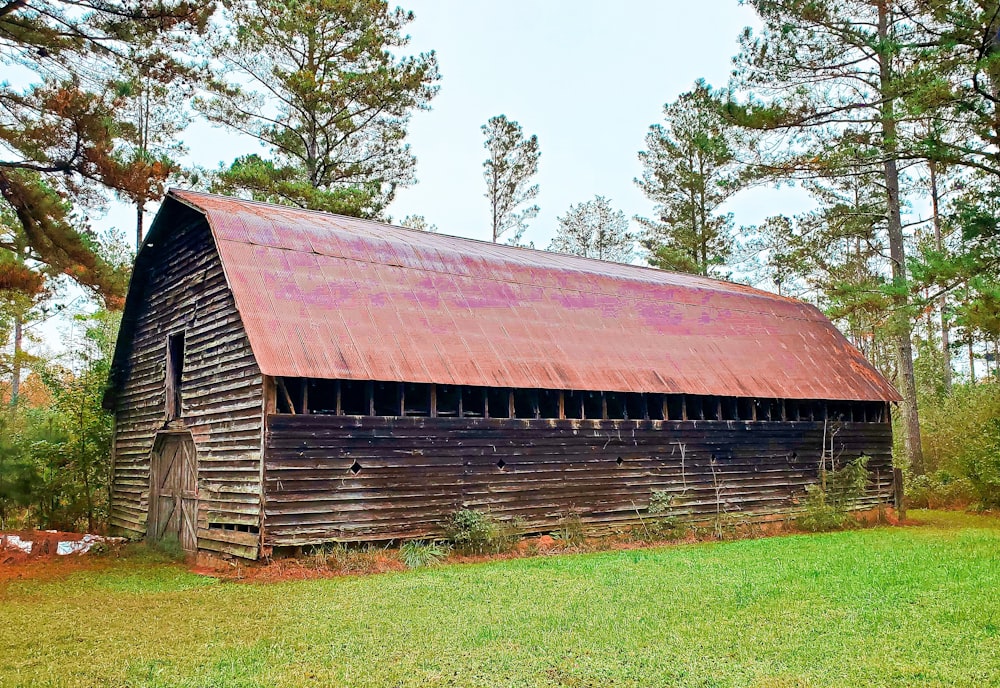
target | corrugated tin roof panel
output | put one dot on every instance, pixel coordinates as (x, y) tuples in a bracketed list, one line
[(348, 298)]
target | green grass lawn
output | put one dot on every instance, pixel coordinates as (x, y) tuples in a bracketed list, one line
[(916, 606)]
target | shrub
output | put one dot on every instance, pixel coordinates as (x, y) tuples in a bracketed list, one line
[(819, 514), (416, 554), (570, 532), (940, 490), (663, 522), (961, 435), (476, 532), (826, 508)]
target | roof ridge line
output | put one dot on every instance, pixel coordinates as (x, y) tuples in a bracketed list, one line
[(736, 286), (822, 319)]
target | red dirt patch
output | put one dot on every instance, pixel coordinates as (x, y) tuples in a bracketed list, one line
[(42, 562)]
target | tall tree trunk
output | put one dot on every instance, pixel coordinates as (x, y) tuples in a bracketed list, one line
[(85, 471), (972, 361), (15, 380), (942, 300), (901, 325), (138, 226), (495, 201)]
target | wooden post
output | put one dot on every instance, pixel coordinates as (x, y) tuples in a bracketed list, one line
[(604, 406), (340, 407), (305, 396), (270, 396), (562, 404), (434, 401), (401, 393), (370, 397)]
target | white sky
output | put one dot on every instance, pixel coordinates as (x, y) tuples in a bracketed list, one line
[(587, 77)]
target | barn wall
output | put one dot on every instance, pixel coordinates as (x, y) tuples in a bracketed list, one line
[(221, 389), (369, 478)]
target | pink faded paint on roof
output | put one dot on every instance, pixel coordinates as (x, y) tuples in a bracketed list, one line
[(326, 296)]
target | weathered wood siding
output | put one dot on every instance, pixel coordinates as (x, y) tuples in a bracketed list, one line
[(368, 478), (221, 388)]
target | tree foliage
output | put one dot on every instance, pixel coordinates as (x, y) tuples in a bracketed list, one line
[(318, 84), (55, 456), (690, 171), (419, 222), (508, 171), (62, 138), (835, 256), (831, 84), (594, 229)]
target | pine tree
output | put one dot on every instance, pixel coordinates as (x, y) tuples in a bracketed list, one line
[(154, 91), (594, 229), (63, 134), (689, 171), (966, 262), (829, 81), (512, 163), (834, 256), (317, 83), (418, 222)]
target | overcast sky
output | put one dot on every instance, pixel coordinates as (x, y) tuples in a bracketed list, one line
[(587, 77)]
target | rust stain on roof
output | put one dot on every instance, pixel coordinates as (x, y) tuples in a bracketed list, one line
[(326, 296)]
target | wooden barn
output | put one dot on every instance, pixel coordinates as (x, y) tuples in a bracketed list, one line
[(286, 377)]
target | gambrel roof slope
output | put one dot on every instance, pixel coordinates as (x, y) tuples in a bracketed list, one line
[(326, 296)]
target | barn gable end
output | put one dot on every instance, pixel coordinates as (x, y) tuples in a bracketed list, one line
[(179, 288)]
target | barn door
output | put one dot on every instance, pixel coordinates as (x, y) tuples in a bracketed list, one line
[(173, 508)]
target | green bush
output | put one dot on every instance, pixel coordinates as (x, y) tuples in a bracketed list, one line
[(55, 456), (663, 521), (828, 502), (940, 490), (570, 532), (476, 532), (961, 436), (820, 515), (417, 554)]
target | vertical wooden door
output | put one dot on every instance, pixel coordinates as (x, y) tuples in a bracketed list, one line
[(173, 508)]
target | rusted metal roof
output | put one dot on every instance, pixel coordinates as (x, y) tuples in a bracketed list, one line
[(326, 296)]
